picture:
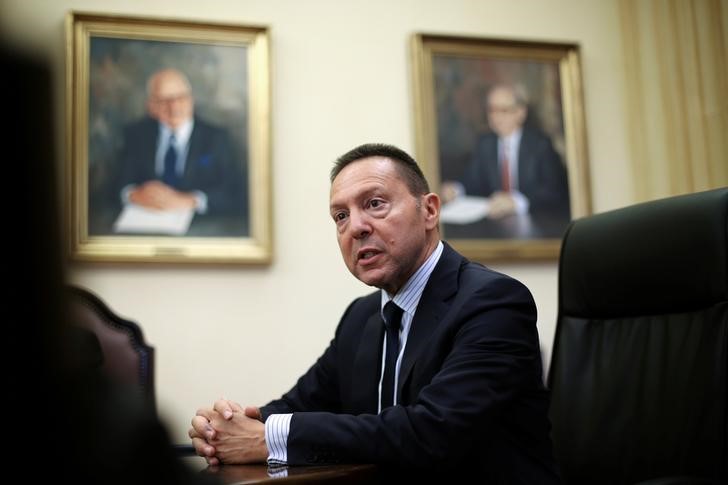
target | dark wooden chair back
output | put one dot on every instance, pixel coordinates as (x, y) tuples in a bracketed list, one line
[(127, 358)]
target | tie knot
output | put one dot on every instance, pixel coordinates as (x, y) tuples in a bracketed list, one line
[(392, 315)]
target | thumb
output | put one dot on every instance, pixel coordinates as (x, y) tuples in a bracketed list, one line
[(253, 412)]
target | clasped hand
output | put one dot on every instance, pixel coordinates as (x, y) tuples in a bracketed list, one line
[(229, 434), (500, 205), (157, 195)]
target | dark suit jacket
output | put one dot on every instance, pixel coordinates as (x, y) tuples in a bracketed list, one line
[(542, 176), (470, 386), (212, 167)]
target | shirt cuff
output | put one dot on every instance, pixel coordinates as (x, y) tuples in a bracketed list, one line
[(521, 202), (201, 199), (277, 427), (125, 192)]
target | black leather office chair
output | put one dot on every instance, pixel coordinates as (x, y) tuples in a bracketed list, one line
[(639, 373), (126, 357)]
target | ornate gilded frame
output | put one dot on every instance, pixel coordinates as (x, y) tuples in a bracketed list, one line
[(108, 58), (450, 75)]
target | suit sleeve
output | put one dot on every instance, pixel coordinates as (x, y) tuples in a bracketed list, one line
[(491, 359), (218, 170), (135, 164), (546, 186), (477, 178)]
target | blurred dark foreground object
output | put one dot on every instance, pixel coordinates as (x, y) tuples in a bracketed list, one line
[(64, 421)]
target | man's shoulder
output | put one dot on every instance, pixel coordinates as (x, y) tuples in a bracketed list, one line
[(359, 311), (367, 303), (479, 273), (455, 273), (205, 126), (487, 138), (477, 278), (535, 136)]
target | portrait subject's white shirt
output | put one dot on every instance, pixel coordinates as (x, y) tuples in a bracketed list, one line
[(510, 146), (182, 144)]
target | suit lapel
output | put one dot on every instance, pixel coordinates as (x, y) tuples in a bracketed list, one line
[(146, 153), (525, 157), (492, 165), (443, 283), (365, 394)]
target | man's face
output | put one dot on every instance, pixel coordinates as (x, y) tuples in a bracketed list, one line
[(384, 232), (170, 100), (504, 115)]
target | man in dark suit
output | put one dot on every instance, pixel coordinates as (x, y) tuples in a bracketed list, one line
[(467, 394), (174, 160), (515, 165)]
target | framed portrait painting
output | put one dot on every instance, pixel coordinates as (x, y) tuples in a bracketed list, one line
[(168, 140), (500, 133)]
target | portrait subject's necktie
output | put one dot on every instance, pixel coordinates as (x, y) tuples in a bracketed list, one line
[(505, 165), (392, 320), (169, 176)]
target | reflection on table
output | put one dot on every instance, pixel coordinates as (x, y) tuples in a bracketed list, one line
[(241, 474)]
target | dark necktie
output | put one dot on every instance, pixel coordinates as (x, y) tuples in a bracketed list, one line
[(392, 320), (169, 176)]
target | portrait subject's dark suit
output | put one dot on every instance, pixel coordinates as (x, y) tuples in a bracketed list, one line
[(542, 176), (471, 396), (213, 165)]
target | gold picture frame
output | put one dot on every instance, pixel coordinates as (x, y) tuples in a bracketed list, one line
[(458, 144), (113, 129)]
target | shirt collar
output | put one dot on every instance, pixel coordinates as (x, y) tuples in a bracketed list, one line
[(513, 140), (181, 134), (408, 297)]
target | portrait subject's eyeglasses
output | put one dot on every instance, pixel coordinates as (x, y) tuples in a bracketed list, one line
[(171, 99), (502, 110)]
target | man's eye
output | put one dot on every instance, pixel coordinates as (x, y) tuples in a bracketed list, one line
[(339, 216), (375, 203)]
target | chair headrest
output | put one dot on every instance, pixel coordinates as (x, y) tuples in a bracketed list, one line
[(658, 257)]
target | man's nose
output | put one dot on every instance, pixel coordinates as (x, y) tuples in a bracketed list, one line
[(359, 224)]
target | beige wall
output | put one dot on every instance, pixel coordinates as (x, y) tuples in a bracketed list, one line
[(341, 76)]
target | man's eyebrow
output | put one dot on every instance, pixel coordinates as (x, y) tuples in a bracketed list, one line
[(371, 188)]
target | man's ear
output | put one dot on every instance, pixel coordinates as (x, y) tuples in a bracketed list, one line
[(431, 207)]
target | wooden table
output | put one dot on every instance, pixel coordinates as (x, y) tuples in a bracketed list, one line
[(241, 474)]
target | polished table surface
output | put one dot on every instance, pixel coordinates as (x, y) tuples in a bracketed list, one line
[(241, 474)]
